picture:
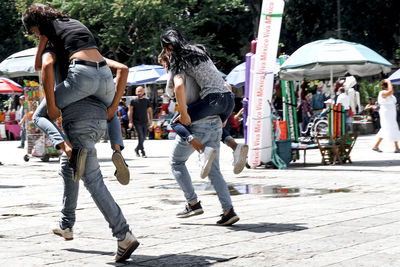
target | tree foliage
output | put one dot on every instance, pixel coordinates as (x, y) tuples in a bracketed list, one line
[(129, 30)]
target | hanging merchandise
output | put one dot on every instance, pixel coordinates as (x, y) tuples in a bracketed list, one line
[(38, 144)]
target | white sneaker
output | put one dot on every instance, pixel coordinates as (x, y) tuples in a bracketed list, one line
[(239, 158), (126, 247), (67, 234), (206, 159)]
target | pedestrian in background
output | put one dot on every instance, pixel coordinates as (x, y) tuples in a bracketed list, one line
[(21, 122), (387, 114), (140, 116), (124, 118)]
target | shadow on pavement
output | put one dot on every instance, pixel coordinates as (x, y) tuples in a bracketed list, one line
[(172, 260), (261, 227), (89, 251)]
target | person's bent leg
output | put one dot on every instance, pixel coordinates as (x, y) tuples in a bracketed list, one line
[(55, 135), (86, 134), (117, 144)]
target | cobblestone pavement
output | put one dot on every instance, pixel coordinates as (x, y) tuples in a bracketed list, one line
[(313, 215)]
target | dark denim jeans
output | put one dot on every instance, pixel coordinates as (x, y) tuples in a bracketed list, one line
[(141, 130), (221, 104)]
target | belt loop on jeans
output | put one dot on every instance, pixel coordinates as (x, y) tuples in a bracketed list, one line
[(73, 63), (97, 65)]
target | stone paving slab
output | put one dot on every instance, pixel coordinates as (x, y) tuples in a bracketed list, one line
[(356, 226)]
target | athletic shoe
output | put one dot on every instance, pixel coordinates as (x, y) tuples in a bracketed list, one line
[(190, 210), (67, 234), (143, 154), (78, 162), (206, 159), (397, 151), (122, 171), (126, 247), (376, 149), (20, 146), (239, 158), (229, 218)]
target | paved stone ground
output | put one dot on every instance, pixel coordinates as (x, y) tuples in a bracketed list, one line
[(359, 225)]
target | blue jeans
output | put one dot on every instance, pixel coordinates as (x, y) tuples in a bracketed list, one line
[(221, 104), (82, 81), (56, 136), (86, 134), (141, 129), (22, 134), (209, 134)]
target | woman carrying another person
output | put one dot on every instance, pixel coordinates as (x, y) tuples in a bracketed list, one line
[(387, 113), (186, 60)]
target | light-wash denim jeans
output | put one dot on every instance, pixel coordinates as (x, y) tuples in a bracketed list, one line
[(209, 134), (56, 136), (82, 81), (86, 134)]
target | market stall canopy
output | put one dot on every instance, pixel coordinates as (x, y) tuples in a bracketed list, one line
[(143, 74), (395, 77), (8, 86), (19, 64), (332, 58)]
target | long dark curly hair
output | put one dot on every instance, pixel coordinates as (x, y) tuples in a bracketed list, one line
[(38, 14), (183, 54)]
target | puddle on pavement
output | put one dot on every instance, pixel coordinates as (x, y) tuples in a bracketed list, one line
[(275, 191)]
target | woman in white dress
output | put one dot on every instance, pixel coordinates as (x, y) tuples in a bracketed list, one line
[(387, 113)]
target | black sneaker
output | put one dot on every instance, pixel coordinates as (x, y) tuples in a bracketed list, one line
[(229, 218), (122, 171), (190, 210), (137, 153), (143, 154), (78, 162)]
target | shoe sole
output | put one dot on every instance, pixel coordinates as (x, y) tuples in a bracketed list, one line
[(190, 214), (65, 238), (231, 221), (80, 165), (128, 252), (242, 160), (122, 173), (207, 168)]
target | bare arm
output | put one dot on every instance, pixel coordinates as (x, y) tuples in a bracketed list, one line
[(150, 116), (180, 96), (389, 91), (130, 116), (121, 75), (38, 57), (48, 61)]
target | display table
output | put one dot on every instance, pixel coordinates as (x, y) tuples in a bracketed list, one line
[(14, 129)]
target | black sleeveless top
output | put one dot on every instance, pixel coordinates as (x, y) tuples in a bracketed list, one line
[(68, 34)]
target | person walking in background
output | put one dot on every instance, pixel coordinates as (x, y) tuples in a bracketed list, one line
[(317, 101), (21, 122), (140, 116), (124, 118), (387, 114)]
